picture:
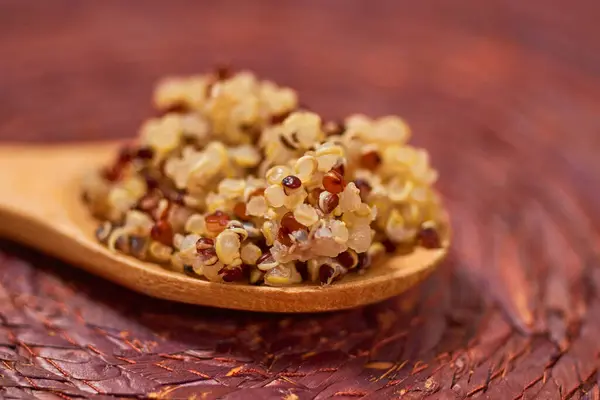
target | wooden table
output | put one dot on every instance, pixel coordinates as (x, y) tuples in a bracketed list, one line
[(505, 94)]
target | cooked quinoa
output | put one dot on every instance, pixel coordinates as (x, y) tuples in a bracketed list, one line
[(234, 181)]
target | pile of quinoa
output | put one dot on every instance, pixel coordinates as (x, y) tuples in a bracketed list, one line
[(235, 182)]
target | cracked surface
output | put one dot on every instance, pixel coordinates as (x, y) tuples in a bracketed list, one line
[(504, 94)]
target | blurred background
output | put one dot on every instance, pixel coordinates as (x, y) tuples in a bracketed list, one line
[(454, 70), (504, 93)]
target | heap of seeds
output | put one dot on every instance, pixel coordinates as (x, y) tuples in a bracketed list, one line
[(236, 182)]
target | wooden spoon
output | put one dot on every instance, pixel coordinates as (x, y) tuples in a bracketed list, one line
[(41, 206)]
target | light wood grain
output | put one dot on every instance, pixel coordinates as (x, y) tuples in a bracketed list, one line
[(41, 207)]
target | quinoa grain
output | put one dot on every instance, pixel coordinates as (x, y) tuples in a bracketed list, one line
[(233, 182)]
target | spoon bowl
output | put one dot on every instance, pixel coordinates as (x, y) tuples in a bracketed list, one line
[(41, 206)]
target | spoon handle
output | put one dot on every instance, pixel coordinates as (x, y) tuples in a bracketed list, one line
[(26, 173), (38, 182)]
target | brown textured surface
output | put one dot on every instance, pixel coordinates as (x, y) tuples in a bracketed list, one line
[(505, 94)]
